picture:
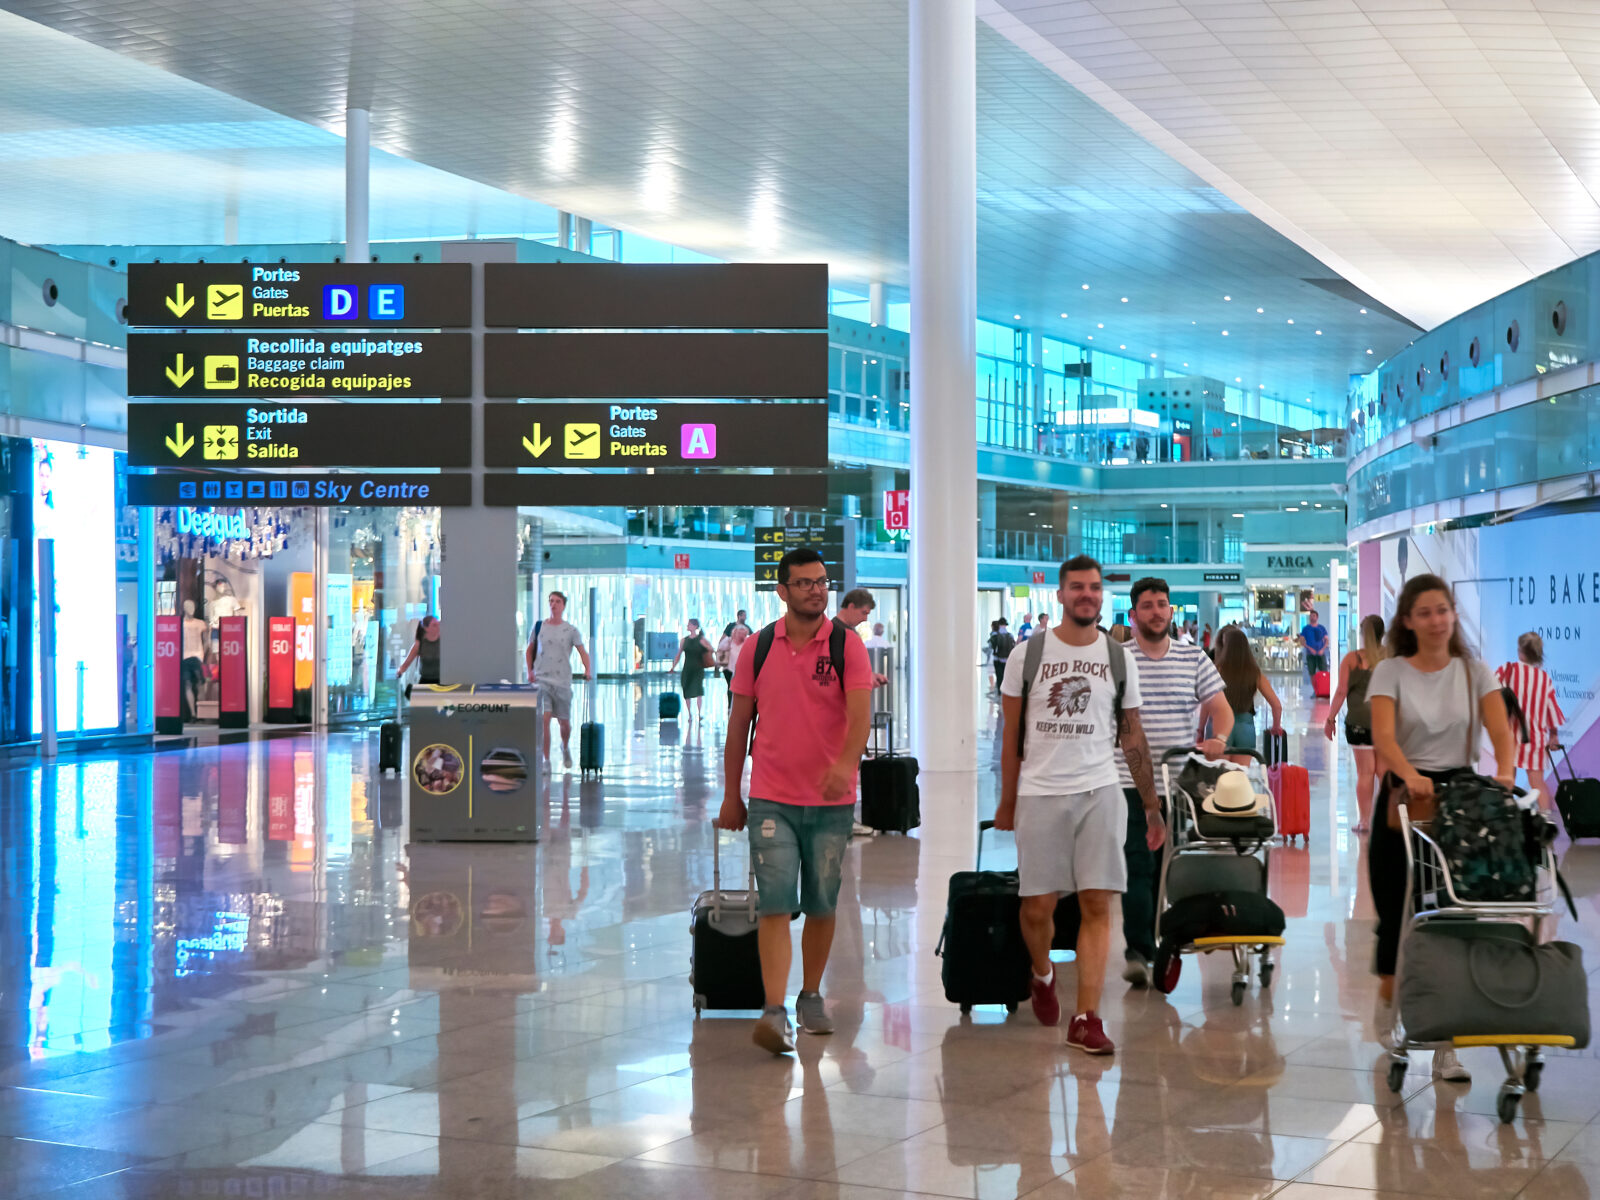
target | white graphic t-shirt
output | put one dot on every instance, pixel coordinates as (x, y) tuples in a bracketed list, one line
[(1070, 722)]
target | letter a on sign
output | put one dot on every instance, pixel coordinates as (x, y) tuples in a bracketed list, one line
[(699, 441)]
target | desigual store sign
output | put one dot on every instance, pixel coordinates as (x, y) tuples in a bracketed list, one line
[(1540, 575)]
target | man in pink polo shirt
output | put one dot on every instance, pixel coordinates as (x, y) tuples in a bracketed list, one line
[(809, 681)]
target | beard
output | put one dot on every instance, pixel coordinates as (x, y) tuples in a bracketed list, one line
[(1084, 622)]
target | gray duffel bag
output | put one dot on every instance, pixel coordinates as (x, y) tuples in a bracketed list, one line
[(1475, 980)]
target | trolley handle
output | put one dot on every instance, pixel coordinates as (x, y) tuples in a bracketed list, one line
[(716, 877)]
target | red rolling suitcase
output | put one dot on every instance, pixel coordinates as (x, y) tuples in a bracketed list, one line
[(1291, 796), (1321, 685)]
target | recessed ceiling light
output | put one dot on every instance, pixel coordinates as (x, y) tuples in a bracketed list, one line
[(1152, 354), (1163, 506), (1363, 312), (1291, 508), (1186, 364), (1224, 333), (1227, 297), (1318, 504), (1102, 325), (1238, 379), (1291, 320), (1086, 287), (1261, 387), (1064, 317), (1369, 351), (1091, 337), (1261, 310), (1074, 509), (1238, 514), (1122, 345), (1016, 316), (1124, 299), (1319, 333), (1031, 513)]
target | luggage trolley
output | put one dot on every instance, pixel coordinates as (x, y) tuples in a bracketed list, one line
[(1431, 896), (1206, 853)]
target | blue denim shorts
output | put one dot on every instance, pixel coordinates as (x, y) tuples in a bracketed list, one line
[(1243, 736), (798, 852)]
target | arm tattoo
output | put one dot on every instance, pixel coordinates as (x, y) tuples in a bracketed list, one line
[(1136, 751)]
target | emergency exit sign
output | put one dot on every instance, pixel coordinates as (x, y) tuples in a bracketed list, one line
[(680, 562)]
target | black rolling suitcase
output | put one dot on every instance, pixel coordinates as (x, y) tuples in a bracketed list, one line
[(1578, 801), (985, 959), (668, 706), (725, 958), (389, 746), (591, 748), (890, 799)]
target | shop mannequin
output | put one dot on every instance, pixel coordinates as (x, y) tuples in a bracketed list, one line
[(224, 603), (195, 636)]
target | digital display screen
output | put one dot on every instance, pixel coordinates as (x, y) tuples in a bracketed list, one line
[(74, 496)]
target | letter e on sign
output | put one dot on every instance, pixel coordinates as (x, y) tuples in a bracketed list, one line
[(680, 562)]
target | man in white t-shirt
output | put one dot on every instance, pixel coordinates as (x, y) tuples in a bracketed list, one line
[(877, 641), (1059, 790)]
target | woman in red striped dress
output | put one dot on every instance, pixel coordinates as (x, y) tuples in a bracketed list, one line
[(1542, 717)]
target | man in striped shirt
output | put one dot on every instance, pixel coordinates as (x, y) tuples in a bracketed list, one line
[(1181, 690)]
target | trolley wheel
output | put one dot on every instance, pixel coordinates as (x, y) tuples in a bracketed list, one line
[(966, 1010), (1530, 1075), (1266, 974), (1011, 1008), (1506, 1106), (1238, 992), (1166, 971), (1397, 1076)]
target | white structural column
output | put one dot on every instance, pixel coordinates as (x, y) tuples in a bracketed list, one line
[(944, 466), (357, 158)]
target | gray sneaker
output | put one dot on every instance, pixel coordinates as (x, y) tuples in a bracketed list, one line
[(812, 1016), (773, 1032), (1137, 971)]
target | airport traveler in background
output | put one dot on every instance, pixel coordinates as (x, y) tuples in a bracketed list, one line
[(1427, 698), (1542, 717), (697, 655), (549, 660), (196, 649), (811, 733), (728, 652), (1314, 637), (425, 652), (1180, 692), (877, 641), (1205, 640), (855, 606), (1185, 635), (1001, 644), (738, 620), (1059, 791), (1042, 623), (1244, 680), (1120, 632), (1025, 630), (1355, 674)]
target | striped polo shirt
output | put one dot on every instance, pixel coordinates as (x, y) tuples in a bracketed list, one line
[(1171, 688)]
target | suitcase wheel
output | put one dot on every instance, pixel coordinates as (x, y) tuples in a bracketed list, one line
[(1011, 1008), (1397, 1076), (966, 1010)]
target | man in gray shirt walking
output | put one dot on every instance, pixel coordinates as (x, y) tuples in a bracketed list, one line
[(549, 657)]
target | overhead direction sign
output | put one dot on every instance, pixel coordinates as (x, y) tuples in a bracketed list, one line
[(335, 365), (585, 366), (656, 296), (418, 488), (656, 435), (299, 295), (774, 541), (549, 488), (299, 435)]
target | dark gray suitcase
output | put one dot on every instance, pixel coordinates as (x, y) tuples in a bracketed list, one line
[(725, 957)]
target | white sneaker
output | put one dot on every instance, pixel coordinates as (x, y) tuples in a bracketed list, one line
[(1447, 1066), (1383, 1020), (860, 830)]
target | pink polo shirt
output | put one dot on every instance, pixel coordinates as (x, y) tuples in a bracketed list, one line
[(800, 714)]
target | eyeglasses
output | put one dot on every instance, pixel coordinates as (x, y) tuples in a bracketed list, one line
[(808, 585)]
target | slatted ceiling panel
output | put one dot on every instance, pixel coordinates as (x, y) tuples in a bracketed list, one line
[(745, 130), (1439, 151)]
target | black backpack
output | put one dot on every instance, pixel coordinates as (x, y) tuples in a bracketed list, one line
[(1220, 914), (1002, 643)]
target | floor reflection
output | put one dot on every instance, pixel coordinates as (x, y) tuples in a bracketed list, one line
[(226, 972)]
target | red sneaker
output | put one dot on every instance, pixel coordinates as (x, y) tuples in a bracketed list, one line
[(1046, 1004), (1086, 1033)]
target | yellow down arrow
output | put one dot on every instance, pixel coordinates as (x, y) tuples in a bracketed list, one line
[(538, 445), (176, 373), (178, 304), (182, 445)]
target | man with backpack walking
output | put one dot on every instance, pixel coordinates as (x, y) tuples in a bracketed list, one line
[(1074, 701), (1001, 644), (808, 680)]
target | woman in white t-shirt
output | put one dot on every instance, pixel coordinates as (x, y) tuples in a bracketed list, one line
[(1431, 700), (728, 653)]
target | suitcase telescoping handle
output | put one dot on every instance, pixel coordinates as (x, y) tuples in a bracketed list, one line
[(716, 877), (983, 828), (1572, 772)]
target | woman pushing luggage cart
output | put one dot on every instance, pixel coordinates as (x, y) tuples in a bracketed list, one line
[(1471, 973), (1213, 894)]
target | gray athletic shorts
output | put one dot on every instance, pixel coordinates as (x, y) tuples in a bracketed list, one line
[(556, 700), (1072, 843)]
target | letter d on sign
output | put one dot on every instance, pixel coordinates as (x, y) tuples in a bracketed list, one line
[(338, 302)]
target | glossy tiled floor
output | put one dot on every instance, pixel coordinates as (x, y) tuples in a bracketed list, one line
[(225, 973)]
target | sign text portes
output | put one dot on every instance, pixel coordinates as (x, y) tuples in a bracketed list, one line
[(656, 435), (299, 295)]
